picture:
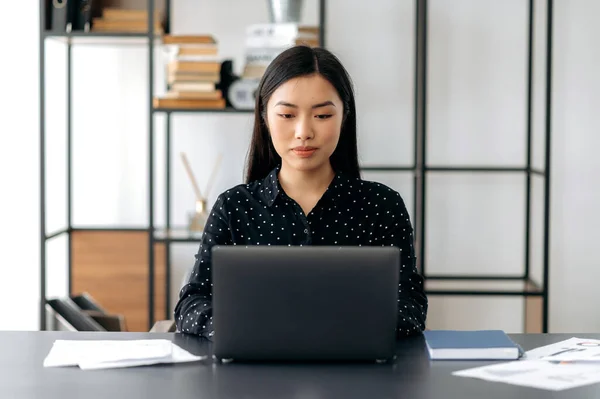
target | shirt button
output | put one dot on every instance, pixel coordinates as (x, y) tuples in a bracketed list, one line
[(306, 230)]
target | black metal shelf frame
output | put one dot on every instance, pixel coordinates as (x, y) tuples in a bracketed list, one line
[(420, 168), (534, 288), (80, 37)]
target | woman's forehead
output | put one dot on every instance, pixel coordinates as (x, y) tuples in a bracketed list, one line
[(305, 91)]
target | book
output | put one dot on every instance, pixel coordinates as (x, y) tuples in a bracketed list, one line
[(188, 103), (200, 39), (471, 345), (126, 20), (184, 66), (125, 14)]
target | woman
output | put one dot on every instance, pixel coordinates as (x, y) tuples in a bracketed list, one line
[(303, 186)]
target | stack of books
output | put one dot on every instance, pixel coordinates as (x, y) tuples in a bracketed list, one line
[(193, 73), (264, 42), (126, 21)]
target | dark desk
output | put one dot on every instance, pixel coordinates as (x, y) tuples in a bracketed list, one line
[(412, 376)]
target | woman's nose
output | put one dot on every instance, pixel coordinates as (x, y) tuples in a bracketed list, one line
[(304, 130)]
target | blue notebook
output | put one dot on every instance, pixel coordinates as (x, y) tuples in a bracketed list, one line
[(471, 345)]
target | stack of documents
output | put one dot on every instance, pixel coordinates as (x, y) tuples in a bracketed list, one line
[(567, 364), (103, 354)]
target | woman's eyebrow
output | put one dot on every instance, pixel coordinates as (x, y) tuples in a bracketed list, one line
[(323, 104), (319, 105)]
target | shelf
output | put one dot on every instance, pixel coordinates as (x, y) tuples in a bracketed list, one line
[(482, 287), (203, 110), (473, 277), (57, 233), (101, 38), (381, 168), (109, 228), (538, 172), (66, 230), (490, 169), (176, 235), (499, 169)]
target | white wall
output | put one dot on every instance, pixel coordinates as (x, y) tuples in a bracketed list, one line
[(575, 191), (19, 198), (476, 116)]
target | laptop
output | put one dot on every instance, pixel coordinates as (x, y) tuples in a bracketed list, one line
[(305, 303)]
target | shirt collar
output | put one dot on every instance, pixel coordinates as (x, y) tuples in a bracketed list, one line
[(272, 188)]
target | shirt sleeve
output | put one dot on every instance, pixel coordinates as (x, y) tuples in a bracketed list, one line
[(412, 301), (193, 312)]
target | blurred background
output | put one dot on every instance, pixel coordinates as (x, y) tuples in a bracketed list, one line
[(449, 92)]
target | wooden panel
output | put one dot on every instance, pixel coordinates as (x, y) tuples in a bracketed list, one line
[(112, 266), (533, 314), (160, 268), (130, 4)]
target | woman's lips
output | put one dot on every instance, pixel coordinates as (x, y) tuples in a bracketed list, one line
[(304, 152)]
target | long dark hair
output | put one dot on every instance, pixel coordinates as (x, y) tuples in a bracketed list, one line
[(292, 63)]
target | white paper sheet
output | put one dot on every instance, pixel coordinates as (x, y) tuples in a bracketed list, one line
[(101, 354), (574, 349), (537, 374), (541, 368)]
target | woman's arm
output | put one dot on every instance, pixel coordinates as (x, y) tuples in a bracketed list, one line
[(193, 312), (412, 301)]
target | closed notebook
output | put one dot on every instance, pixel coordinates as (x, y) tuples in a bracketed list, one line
[(471, 345)]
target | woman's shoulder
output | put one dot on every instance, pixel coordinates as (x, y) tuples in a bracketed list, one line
[(240, 192), (375, 190), (387, 200)]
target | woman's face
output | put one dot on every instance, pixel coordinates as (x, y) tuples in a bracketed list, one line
[(304, 116)]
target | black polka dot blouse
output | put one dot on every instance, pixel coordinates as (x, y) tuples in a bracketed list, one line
[(351, 212)]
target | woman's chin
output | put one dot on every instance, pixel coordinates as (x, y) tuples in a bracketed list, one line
[(306, 164)]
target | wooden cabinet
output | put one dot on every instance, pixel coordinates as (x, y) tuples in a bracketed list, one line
[(112, 266)]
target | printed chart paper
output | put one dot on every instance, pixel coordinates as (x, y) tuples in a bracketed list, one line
[(563, 365)]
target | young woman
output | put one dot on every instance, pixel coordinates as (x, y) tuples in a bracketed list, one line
[(303, 186)]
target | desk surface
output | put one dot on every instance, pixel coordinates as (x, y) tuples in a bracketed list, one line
[(411, 376)]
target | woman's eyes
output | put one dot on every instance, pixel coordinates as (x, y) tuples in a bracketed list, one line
[(322, 116)]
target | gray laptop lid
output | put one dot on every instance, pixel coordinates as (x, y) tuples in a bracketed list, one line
[(309, 302)]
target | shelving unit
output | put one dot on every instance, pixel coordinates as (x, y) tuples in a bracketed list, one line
[(454, 285), (521, 285), (166, 236)]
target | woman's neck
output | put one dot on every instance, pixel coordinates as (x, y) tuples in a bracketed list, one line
[(299, 183)]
